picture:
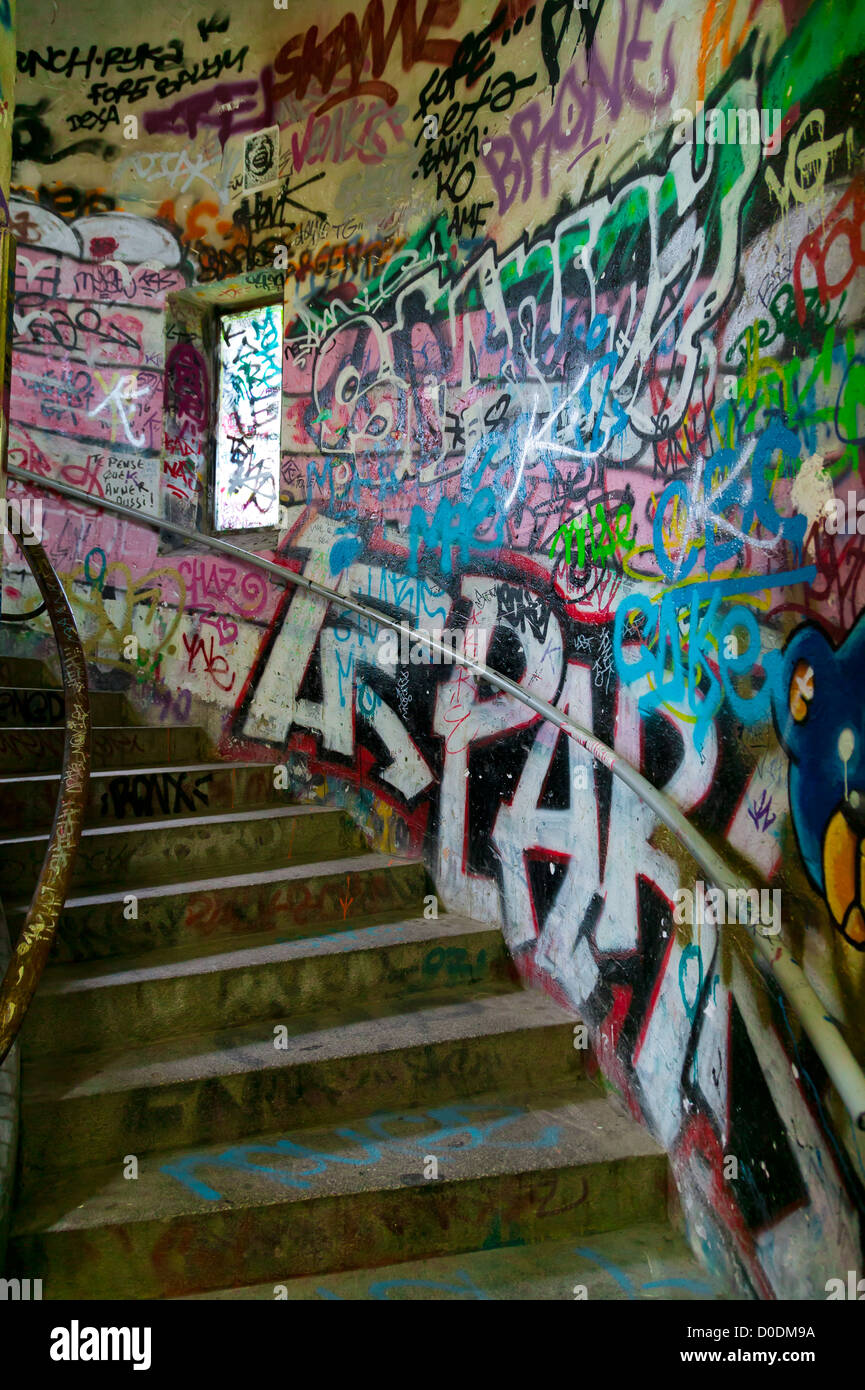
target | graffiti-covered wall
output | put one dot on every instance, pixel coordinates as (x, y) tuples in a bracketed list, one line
[(572, 362), (9, 1071)]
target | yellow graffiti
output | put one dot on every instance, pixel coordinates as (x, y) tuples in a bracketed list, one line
[(106, 623), (806, 169)]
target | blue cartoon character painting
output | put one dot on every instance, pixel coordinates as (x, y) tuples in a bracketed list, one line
[(819, 713)]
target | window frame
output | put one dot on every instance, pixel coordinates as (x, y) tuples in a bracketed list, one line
[(241, 305)]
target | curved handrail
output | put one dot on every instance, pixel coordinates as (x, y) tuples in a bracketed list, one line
[(34, 943), (10, 1096), (824, 1032)]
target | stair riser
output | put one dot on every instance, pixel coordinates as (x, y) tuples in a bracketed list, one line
[(99, 1129), (41, 750), (47, 708), (646, 1263), (289, 909), (141, 1013), (26, 671), (189, 1254), (133, 859), (126, 797)]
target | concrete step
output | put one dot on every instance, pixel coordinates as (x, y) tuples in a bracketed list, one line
[(285, 902), (174, 850), (277, 1207), (41, 750), (644, 1262), (27, 803), (34, 706), (26, 670), (223, 1086), (97, 1005)]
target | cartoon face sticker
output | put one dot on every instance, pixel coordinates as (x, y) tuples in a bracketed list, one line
[(819, 713)]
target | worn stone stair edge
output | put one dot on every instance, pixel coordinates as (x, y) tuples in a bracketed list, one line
[(223, 1052), (472, 1137), (643, 1262), (320, 869), (178, 823), (81, 977)]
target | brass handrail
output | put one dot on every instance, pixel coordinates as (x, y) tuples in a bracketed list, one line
[(37, 935), (825, 1034)]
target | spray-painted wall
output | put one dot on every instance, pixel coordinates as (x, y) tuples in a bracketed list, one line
[(574, 356)]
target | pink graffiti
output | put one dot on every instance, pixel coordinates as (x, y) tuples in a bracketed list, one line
[(351, 129), (210, 582), (186, 385)]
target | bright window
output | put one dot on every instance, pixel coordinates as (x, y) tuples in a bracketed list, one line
[(248, 428)]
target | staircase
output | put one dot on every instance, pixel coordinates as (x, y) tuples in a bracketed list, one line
[(257, 1069)]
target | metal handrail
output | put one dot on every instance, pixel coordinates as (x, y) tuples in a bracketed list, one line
[(37, 935), (823, 1031)]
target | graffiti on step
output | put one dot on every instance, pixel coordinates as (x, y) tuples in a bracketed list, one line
[(295, 1164), (155, 793)]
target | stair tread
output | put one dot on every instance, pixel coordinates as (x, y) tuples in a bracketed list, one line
[(177, 823), (648, 1261), (24, 688), (57, 729), (262, 949), (29, 668), (351, 864), (540, 1131), (144, 771), (356, 1031), (478, 1137)]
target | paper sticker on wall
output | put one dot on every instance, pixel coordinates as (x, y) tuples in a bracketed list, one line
[(261, 159)]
